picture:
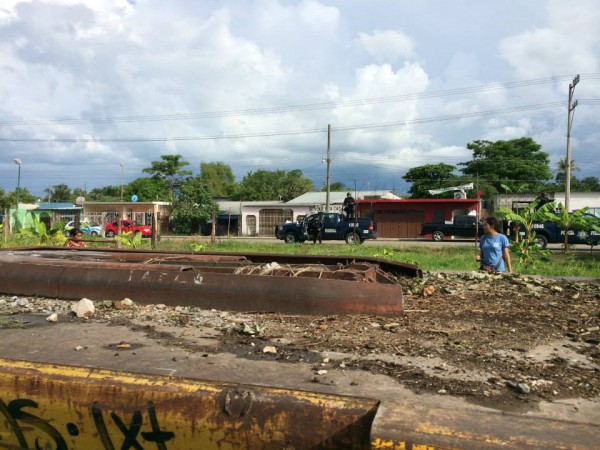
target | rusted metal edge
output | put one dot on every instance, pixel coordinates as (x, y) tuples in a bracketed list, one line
[(67, 407), (396, 268), (201, 289)]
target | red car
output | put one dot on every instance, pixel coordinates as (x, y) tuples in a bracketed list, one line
[(127, 226)]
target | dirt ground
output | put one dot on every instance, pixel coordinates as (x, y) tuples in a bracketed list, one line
[(501, 341)]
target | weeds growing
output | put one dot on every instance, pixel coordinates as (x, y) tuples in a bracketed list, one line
[(430, 258)]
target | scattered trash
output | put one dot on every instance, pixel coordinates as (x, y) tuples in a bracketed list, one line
[(126, 303), (251, 329), (84, 308), (428, 291)]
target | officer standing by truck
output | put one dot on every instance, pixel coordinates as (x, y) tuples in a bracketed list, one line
[(349, 205), (317, 230)]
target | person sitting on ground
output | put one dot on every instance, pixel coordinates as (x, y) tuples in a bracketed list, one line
[(74, 241), (494, 255)]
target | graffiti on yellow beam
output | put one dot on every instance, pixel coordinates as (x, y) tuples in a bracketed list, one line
[(60, 407)]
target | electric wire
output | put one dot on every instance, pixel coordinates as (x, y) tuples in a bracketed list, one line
[(305, 107), (295, 132)]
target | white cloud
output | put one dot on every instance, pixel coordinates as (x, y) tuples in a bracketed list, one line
[(113, 58), (374, 81), (318, 16), (505, 129), (569, 44), (387, 46), (546, 52)]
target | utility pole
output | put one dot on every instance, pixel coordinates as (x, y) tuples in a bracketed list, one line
[(571, 108), (18, 162), (121, 182), (328, 167)]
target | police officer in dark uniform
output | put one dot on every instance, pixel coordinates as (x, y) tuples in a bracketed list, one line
[(349, 206), (317, 230), (542, 200)]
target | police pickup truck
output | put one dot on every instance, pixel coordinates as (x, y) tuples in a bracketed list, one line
[(550, 232), (462, 226), (334, 228)]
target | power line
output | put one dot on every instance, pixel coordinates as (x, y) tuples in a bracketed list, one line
[(299, 108), (296, 132)]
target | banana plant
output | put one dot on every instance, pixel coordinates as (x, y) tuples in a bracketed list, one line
[(576, 220), (44, 236), (526, 248), (131, 240)]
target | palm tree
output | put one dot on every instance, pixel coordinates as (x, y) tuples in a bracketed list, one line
[(61, 193), (561, 169)]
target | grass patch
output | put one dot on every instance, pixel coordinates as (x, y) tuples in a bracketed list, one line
[(429, 258), (456, 257)]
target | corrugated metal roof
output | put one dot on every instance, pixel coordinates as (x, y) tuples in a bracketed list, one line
[(57, 205), (314, 198), (233, 207)]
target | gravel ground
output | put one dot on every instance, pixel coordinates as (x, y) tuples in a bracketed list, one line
[(502, 341)]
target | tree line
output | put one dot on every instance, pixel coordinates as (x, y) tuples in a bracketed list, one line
[(512, 166), (501, 167)]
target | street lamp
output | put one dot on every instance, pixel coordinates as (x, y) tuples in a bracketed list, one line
[(570, 108), (17, 161)]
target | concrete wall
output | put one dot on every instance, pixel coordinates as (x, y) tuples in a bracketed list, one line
[(580, 200)]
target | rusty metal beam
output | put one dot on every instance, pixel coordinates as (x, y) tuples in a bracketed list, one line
[(65, 407), (355, 288), (392, 267)]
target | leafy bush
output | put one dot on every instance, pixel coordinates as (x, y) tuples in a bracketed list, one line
[(41, 235)]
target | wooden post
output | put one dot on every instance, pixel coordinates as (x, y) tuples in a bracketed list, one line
[(153, 237), (213, 232)]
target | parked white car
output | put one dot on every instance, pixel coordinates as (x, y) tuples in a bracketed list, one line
[(85, 228)]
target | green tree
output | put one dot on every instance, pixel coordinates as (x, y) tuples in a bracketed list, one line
[(587, 184), (336, 186), (218, 178), (273, 185), (58, 193), (4, 201), (170, 170), (519, 164), (430, 176), (561, 169), (147, 189), (105, 194), (24, 197), (77, 192), (193, 207)]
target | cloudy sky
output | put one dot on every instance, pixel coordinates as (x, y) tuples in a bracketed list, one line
[(93, 90)]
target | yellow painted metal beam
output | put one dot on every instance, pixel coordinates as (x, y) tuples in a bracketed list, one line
[(64, 407)]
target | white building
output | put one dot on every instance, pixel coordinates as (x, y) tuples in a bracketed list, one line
[(259, 218), (580, 200)]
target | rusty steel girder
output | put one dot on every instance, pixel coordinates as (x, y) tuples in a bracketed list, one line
[(66, 407), (223, 281)]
